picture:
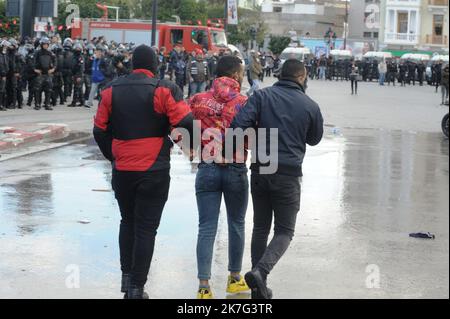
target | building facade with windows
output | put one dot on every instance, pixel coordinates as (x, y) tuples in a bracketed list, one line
[(414, 25), (364, 19), (249, 4), (304, 17)]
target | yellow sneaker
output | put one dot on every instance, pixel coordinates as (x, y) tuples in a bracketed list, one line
[(205, 293), (234, 286)]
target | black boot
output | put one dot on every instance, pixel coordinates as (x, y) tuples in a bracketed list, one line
[(2, 107), (48, 108), (135, 292), (125, 285), (256, 296), (257, 282)]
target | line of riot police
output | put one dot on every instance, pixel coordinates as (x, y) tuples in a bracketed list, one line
[(398, 70), (52, 70)]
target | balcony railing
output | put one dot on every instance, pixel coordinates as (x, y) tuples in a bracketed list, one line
[(403, 2), (406, 38), (436, 40), (438, 3)]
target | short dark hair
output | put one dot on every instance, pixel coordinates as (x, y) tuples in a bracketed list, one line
[(292, 69), (228, 65)]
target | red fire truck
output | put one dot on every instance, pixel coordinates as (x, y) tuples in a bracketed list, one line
[(167, 35)]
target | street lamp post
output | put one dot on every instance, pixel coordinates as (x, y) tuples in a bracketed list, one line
[(154, 15), (225, 23), (27, 11), (330, 39), (346, 25)]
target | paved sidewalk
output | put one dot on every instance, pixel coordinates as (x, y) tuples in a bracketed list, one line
[(18, 136)]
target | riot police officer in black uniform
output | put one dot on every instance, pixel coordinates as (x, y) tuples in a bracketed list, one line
[(109, 71), (58, 81), (13, 77), (403, 70), (365, 69), (67, 68), (78, 75), (4, 70), (392, 69), (122, 61), (29, 74), (411, 72), (88, 60), (44, 66), (421, 69)]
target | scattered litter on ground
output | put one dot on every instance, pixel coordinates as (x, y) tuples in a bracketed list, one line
[(422, 235)]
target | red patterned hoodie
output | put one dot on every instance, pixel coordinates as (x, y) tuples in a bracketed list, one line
[(216, 109)]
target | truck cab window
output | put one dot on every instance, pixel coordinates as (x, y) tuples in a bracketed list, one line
[(176, 36), (199, 37)]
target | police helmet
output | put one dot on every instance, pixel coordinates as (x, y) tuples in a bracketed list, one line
[(5, 44), (13, 43), (100, 48), (68, 43), (56, 47), (78, 46), (29, 48), (44, 40)]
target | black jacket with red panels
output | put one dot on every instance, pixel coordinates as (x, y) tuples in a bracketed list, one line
[(134, 118)]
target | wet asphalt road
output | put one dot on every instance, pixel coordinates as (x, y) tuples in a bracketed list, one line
[(364, 191)]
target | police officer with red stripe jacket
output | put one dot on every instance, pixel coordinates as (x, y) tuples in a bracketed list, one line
[(132, 124)]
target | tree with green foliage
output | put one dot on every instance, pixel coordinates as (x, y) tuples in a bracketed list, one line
[(277, 44), (187, 10), (7, 26)]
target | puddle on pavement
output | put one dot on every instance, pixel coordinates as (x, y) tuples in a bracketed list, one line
[(362, 186)]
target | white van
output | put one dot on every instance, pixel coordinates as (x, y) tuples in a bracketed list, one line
[(291, 53), (341, 54), (235, 49), (378, 55), (294, 53)]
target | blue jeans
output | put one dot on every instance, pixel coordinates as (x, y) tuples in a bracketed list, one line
[(197, 87), (211, 182), (255, 86), (382, 78), (322, 70)]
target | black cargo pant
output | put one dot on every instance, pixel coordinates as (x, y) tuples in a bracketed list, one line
[(2, 92), (43, 83), (274, 197), (87, 81), (141, 197), (11, 90), (58, 89), (68, 83), (78, 95), (31, 91)]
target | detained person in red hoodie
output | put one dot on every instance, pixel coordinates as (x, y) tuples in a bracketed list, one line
[(216, 177)]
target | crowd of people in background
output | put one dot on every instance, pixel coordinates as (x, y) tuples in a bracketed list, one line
[(385, 71), (73, 72), (53, 71)]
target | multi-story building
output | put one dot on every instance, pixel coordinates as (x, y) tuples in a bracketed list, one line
[(304, 17), (414, 25), (249, 4), (364, 19), (435, 23)]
